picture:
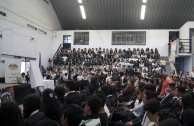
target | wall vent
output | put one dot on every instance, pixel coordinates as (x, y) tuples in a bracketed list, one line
[(2, 13), (32, 27)]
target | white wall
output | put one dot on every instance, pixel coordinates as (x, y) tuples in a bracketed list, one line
[(184, 30), (187, 64), (102, 38), (16, 36), (36, 11)]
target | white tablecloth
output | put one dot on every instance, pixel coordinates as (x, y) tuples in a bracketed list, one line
[(49, 84)]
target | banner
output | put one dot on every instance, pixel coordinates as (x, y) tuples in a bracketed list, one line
[(12, 70), (6, 94)]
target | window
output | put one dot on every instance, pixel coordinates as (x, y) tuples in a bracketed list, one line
[(81, 38), (129, 38), (66, 38)]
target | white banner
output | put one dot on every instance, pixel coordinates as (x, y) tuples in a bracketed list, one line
[(12, 70)]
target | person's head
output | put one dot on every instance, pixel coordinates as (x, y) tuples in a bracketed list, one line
[(102, 98), (169, 88), (70, 86), (10, 115), (105, 89), (72, 116), (50, 105), (187, 101), (60, 92), (92, 106), (152, 107), (23, 74), (169, 122), (148, 95), (165, 114), (179, 90), (31, 103)]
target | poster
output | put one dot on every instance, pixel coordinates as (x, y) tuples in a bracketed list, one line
[(6, 94), (12, 70)]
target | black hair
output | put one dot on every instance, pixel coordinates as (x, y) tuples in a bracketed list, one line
[(50, 105), (30, 103), (10, 115), (153, 106), (105, 89), (102, 97), (171, 85), (180, 89), (149, 87), (150, 94), (71, 85), (164, 114), (74, 114), (94, 103), (60, 92), (169, 122), (187, 101)]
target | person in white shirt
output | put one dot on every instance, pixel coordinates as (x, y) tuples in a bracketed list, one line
[(21, 79)]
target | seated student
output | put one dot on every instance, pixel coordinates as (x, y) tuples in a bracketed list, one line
[(72, 116), (91, 111), (152, 107), (51, 108), (31, 106), (169, 122), (60, 93), (175, 106), (102, 112), (10, 115), (71, 96), (166, 100)]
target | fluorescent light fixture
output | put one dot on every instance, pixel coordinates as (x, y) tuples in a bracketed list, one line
[(80, 1), (83, 12), (144, 1), (143, 9)]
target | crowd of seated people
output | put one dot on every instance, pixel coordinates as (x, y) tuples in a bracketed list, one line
[(140, 102), (106, 95), (81, 64)]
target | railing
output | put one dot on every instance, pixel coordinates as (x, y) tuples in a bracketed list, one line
[(58, 50), (184, 46)]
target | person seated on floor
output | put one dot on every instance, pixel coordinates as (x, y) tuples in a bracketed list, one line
[(21, 79), (31, 106)]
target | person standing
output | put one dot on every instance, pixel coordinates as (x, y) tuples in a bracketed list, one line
[(163, 64)]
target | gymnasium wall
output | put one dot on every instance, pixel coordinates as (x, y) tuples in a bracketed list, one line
[(103, 38), (27, 29)]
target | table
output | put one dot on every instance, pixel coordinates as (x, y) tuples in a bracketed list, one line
[(49, 84)]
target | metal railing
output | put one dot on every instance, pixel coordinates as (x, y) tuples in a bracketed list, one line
[(58, 51)]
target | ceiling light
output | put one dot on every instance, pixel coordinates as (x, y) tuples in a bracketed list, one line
[(143, 9), (83, 12), (80, 1), (144, 1)]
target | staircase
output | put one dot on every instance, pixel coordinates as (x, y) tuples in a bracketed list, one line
[(168, 67)]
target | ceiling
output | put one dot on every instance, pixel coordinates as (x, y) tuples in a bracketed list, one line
[(123, 14)]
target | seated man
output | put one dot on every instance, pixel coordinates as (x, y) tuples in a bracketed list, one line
[(72, 116), (91, 111), (21, 79)]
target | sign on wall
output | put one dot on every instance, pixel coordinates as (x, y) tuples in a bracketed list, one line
[(12, 70)]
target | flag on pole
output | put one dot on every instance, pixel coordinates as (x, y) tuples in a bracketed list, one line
[(40, 65)]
